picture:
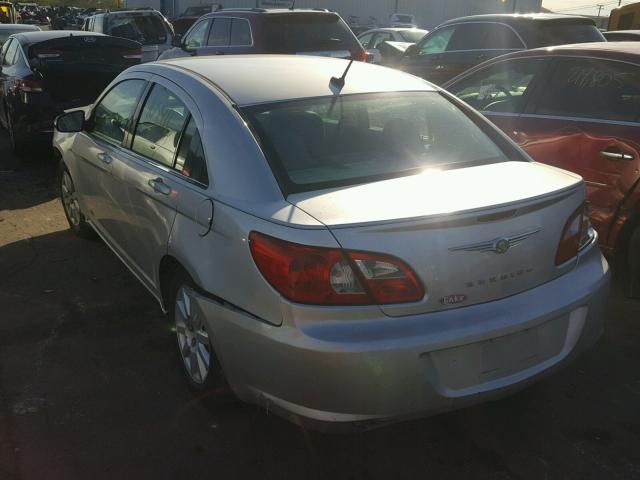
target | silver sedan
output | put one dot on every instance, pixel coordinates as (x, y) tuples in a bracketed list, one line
[(340, 243)]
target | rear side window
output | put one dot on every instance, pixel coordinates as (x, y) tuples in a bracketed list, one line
[(502, 87), (240, 33), (301, 32), (113, 116), (220, 32), (10, 53), (161, 122), (484, 36), (191, 160), (560, 34), (328, 142), (597, 89), (146, 29), (197, 37)]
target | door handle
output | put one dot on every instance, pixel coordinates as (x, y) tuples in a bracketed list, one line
[(159, 186), (616, 155), (105, 158)]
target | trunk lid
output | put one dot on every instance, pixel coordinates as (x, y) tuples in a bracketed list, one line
[(76, 69), (451, 227)]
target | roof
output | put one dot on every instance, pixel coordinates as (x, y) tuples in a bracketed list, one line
[(613, 49), (632, 32), (252, 79), (271, 11), (395, 29), (43, 36), (518, 17)]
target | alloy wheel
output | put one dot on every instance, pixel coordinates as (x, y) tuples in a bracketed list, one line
[(70, 200), (192, 337)]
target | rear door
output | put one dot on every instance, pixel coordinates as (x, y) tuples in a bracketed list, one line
[(154, 172), (586, 119)]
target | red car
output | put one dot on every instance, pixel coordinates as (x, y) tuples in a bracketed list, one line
[(576, 107)]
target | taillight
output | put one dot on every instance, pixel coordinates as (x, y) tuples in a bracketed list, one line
[(359, 55), (46, 53), (29, 86), (576, 234), (328, 276), (137, 53)]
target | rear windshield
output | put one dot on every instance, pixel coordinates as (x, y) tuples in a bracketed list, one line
[(403, 18), (197, 11), (561, 34), (336, 141), (293, 33), (146, 29), (5, 33)]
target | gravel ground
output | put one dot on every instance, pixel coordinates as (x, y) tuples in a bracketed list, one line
[(90, 386)]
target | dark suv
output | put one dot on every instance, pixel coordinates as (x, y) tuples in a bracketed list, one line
[(256, 30), (461, 43)]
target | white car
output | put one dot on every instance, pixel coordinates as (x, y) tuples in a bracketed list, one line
[(343, 243), (372, 39)]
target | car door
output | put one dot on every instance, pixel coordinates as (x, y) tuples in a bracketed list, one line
[(95, 151), (586, 118), (426, 59), (153, 175)]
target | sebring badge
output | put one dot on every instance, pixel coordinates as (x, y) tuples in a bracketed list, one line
[(498, 245)]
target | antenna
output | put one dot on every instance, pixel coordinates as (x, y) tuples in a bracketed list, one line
[(293, 5), (339, 82)]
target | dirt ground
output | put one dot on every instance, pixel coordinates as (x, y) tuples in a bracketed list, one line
[(90, 387)]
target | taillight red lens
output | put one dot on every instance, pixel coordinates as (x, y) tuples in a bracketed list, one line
[(572, 235), (327, 276), (132, 53)]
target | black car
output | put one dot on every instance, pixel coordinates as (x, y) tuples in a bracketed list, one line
[(44, 73), (461, 43), (622, 36), (258, 30)]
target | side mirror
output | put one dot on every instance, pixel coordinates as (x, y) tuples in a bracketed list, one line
[(411, 50), (70, 122), (177, 40)]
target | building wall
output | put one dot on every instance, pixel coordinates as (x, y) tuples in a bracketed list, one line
[(429, 13)]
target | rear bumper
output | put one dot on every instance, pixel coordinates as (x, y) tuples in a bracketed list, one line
[(371, 372)]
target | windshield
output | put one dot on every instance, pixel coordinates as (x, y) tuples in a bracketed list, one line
[(146, 29), (561, 34), (413, 36), (337, 141), (292, 33)]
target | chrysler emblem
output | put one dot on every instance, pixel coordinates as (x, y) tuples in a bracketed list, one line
[(498, 245), (501, 245)]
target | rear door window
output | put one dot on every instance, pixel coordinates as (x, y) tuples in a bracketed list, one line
[(501, 87), (220, 33), (501, 37), (161, 122), (197, 37), (590, 88), (437, 42), (191, 161), (113, 116), (556, 33), (240, 33)]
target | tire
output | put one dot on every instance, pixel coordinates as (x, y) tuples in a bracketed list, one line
[(633, 263), (199, 362), (71, 207), (18, 145)]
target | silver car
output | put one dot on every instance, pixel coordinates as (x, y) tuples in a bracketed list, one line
[(341, 245)]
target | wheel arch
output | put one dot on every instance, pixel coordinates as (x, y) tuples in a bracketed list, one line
[(170, 266)]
